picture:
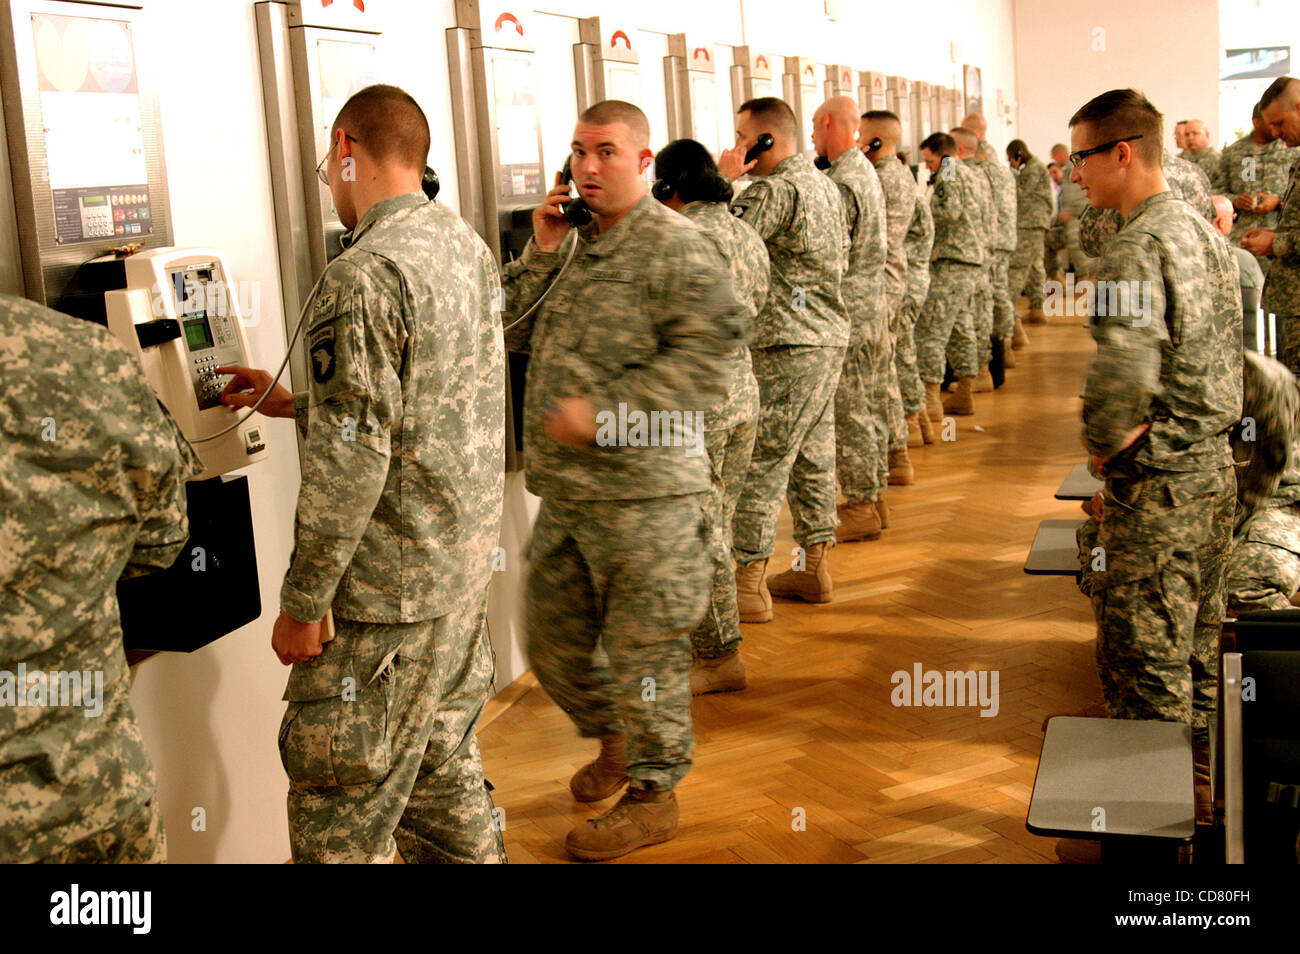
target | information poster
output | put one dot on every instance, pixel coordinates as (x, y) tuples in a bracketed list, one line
[(515, 99), (94, 139)]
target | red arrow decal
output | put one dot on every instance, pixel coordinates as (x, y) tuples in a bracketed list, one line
[(761, 61), (613, 40), (509, 18), (699, 50), (809, 71)]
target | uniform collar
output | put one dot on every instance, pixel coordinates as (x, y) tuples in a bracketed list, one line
[(787, 163), (611, 241), (383, 208), (1150, 202), (844, 159), (700, 209)]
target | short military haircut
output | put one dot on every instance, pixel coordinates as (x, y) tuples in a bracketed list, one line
[(1061, 146), (968, 138), (773, 113), (388, 124), (1278, 89), (1257, 113), (610, 111), (1182, 122), (1121, 113), (1019, 149), (940, 144), (879, 115)]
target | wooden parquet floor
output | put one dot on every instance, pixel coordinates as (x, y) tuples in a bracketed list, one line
[(816, 730)]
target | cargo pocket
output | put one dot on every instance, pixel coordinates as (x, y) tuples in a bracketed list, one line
[(337, 729), (1112, 589)]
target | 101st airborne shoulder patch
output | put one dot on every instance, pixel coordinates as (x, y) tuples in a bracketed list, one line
[(320, 349)]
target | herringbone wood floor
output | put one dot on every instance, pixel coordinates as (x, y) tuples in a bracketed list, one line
[(944, 586)]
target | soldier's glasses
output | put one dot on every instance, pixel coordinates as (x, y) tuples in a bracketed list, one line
[(320, 169), (1080, 158)]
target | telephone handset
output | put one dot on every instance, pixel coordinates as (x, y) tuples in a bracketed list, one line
[(575, 210), (763, 144)]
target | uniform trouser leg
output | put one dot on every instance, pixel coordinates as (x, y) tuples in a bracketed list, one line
[(794, 450), (137, 839), (861, 444), (983, 316), (1158, 591), (1004, 313), (378, 742), (894, 393), (946, 326), (730, 449), (631, 578), (1261, 576), (909, 378), (1026, 271)]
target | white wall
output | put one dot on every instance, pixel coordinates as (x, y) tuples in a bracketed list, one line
[(1067, 53), (210, 718)]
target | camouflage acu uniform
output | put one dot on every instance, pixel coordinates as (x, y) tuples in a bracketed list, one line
[(1246, 167), (899, 190), (1264, 568), (862, 396), (920, 241), (1186, 181), (1074, 203), (643, 320), (983, 310), (798, 350), (1154, 565), (1003, 184), (92, 473), (946, 324), (729, 429), (398, 513), (1033, 216), (1208, 161), (1282, 288)]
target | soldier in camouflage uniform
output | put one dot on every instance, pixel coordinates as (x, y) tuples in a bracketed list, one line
[(1003, 183), (398, 514), (798, 351), (1160, 399), (1186, 181), (967, 144), (1199, 151), (1280, 108), (945, 327), (919, 245), (642, 321), (1264, 567), (92, 473), (862, 397), (1253, 173), (1033, 215), (689, 183), (900, 191)]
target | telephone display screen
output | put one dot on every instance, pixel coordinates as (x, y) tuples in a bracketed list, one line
[(198, 333)]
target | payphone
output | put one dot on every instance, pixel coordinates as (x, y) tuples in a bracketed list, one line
[(898, 100), (751, 75), (872, 90), (606, 64), (690, 85), (803, 91), (312, 58), (841, 81)]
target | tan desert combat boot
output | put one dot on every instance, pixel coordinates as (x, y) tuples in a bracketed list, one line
[(640, 818), (858, 521), (812, 584), (1008, 354), (984, 382), (914, 436), (721, 674), (606, 775), (882, 510), (1036, 317), (934, 403), (927, 428), (901, 471), (1020, 337), (959, 400), (753, 600)]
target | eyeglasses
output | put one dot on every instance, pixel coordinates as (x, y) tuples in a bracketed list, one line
[(1080, 158), (320, 169)]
